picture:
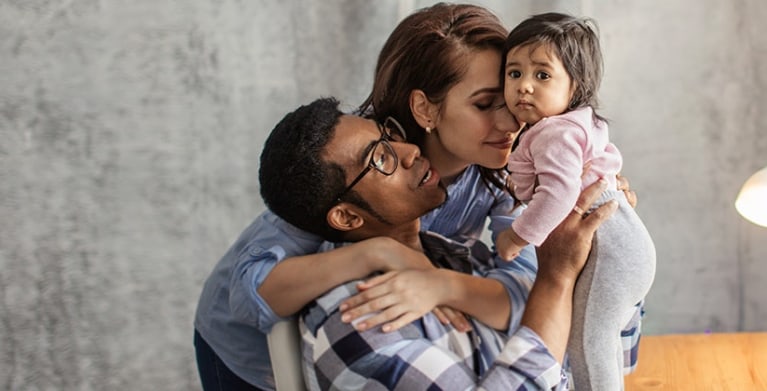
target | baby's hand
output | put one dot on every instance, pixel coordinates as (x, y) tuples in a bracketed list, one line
[(505, 245)]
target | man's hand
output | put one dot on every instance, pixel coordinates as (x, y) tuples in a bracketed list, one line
[(564, 253)]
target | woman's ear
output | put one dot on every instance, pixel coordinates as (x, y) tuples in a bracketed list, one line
[(344, 218), (424, 112)]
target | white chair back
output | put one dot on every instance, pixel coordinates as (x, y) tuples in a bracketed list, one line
[(285, 353)]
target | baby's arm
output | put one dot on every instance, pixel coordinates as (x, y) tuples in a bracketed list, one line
[(557, 151), (509, 244)]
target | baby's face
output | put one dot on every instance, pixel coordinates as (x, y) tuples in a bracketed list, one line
[(537, 84)]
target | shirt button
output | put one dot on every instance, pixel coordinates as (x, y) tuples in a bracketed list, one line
[(256, 251)]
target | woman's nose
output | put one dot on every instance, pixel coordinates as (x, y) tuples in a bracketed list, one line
[(505, 121)]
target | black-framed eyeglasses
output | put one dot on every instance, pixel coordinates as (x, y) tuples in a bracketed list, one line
[(382, 156)]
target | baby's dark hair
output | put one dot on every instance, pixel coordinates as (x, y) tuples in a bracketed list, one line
[(575, 41)]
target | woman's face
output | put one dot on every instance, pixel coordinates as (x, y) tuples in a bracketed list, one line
[(474, 125)]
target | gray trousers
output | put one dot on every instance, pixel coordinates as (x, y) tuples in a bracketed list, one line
[(617, 275)]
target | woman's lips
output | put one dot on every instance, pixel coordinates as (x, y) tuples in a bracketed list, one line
[(500, 144)]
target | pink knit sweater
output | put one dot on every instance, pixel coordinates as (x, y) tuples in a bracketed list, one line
[(554, 151)]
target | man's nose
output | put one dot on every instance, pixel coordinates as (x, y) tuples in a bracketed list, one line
[(407, 153)]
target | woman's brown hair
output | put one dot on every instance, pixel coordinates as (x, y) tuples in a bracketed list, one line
[(429, 51)]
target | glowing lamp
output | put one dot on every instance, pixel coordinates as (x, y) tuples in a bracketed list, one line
[(752, 199)]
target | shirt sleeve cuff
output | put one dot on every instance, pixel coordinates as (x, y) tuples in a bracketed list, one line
[(527, 354), (246, 303)]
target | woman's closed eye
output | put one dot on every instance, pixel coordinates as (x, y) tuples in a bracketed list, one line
[(483, 106), (490, 102)]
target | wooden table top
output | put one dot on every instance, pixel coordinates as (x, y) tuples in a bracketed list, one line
[(707, 362)]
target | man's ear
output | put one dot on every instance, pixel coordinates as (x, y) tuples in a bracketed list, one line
[(424, 112), (344, 218)]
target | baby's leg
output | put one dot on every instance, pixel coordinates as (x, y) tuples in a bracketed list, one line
[(618, 275)]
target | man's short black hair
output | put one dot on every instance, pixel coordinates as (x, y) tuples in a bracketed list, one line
[(296, 183)]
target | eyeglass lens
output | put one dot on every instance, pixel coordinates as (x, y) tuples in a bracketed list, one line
[(394, 130), (384, 158)]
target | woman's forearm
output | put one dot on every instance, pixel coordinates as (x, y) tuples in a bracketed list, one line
[(296, 281), (483, 298)]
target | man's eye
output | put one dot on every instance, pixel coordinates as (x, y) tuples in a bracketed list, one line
[(515, 74), (379, 158), (543, 76)]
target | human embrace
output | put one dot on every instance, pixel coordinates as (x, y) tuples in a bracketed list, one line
[(372, 237)]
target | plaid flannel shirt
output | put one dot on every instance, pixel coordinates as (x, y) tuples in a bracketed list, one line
[(424, 355), (429, 355)]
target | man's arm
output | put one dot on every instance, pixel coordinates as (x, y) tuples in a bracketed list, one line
[(560, 259)]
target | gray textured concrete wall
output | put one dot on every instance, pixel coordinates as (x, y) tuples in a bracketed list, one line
[(130, 133)]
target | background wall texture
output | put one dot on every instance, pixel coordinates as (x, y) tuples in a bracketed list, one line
[(130, 133)]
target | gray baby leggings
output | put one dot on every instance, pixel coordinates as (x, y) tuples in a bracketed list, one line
[(617, 275)]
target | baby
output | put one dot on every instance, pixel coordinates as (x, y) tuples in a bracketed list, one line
[(552, 72)]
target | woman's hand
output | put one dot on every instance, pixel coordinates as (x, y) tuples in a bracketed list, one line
[(399, 297), (623, 185), (448, 315)]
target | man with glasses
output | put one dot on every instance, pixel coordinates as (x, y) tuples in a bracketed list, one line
[(230, 329), (367, 183)]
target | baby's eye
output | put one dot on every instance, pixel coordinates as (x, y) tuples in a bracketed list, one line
[(515, 74), (542, 75)]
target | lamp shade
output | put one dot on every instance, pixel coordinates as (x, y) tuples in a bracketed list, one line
[(752, 199)]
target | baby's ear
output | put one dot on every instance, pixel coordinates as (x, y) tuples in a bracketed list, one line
[(344, 218)]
